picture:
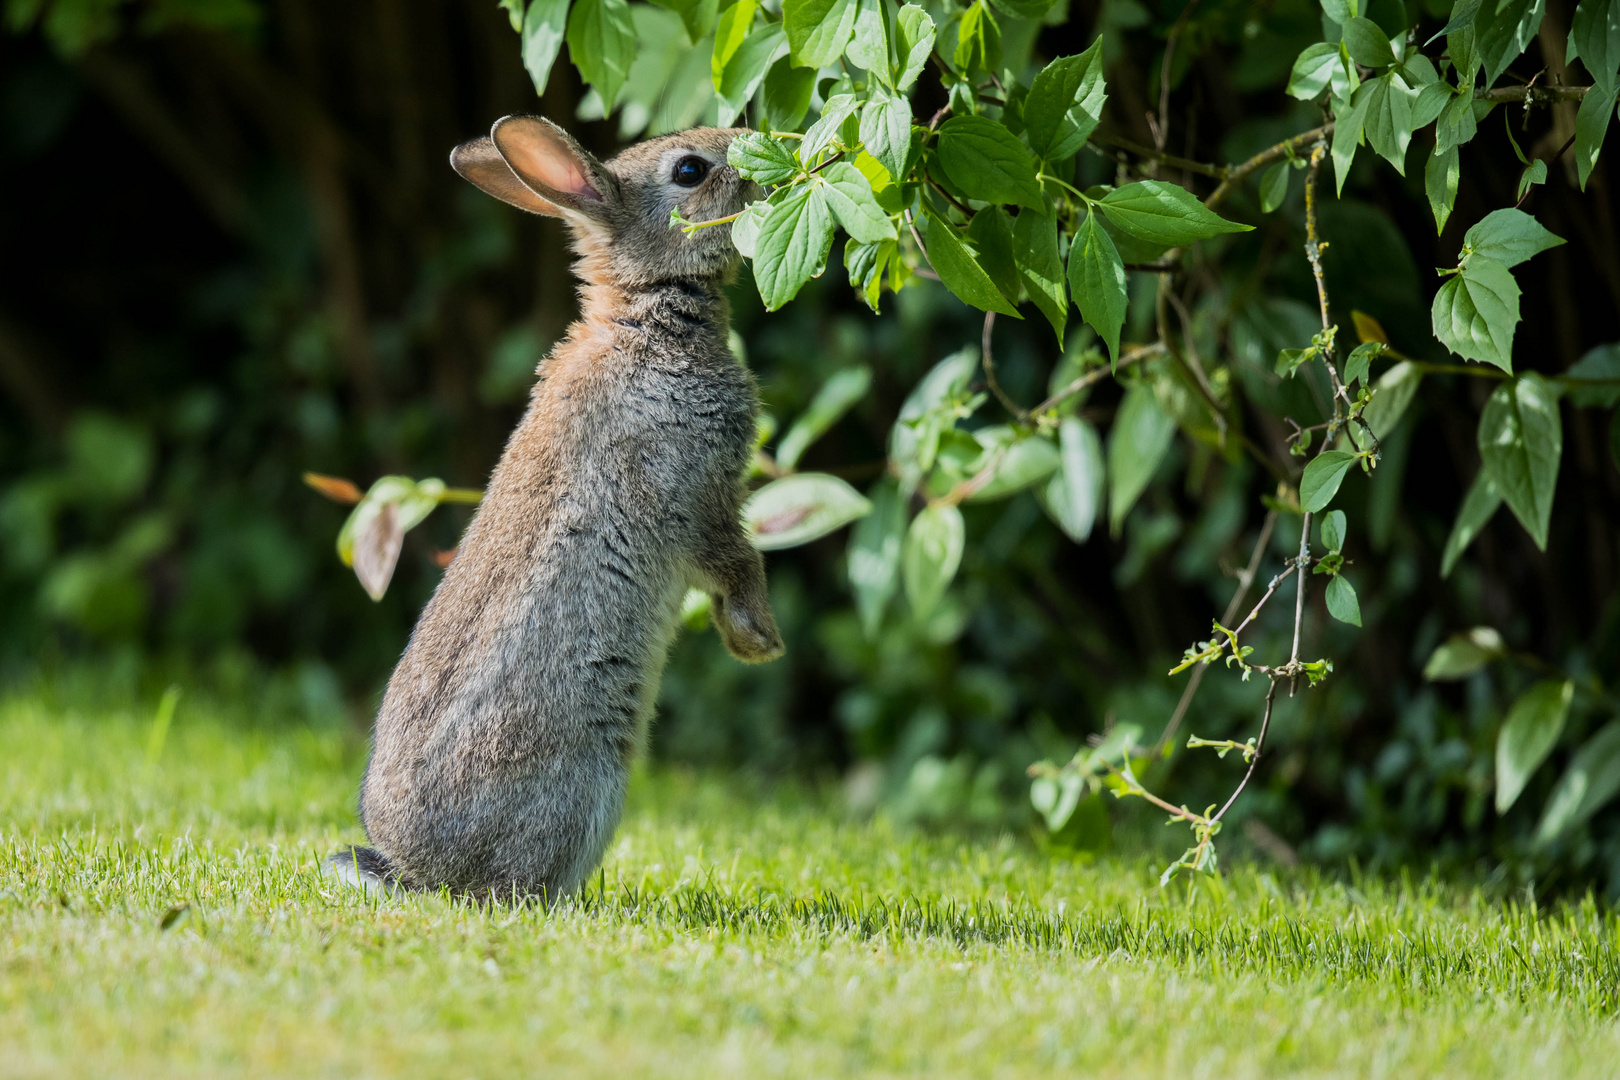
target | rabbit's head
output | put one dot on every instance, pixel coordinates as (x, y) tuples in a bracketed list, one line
[(619, 210)]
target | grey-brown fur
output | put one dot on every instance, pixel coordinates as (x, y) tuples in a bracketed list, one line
[(501, 750)]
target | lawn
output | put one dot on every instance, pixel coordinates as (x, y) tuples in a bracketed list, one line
[(164, 916)]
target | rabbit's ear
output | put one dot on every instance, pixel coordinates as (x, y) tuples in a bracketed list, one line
[(479, 162), (549, 161)]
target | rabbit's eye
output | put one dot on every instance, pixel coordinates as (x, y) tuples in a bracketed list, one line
[(690, 171)]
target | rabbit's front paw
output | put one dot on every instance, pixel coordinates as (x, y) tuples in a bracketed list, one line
[(749, 632)]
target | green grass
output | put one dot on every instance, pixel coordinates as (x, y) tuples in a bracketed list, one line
[(167, 918)]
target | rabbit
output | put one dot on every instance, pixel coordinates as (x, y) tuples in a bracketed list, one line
[(503, 744)]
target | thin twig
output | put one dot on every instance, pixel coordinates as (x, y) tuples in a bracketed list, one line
[(990, 373), (1202, 168), (1161, 127), (1254, 759), (1236, 174), (1135, 356)]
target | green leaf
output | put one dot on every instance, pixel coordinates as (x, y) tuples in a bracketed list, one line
[(1456, 125), (1322, 478), (1440, 184), (1387, 119), (886, 131), (514, 12), (1521, 440), (1024, 9), (978, 40), (786, 95), (819, 136), (849, 195), (1393, 394), (1274, 186), (1475, 312), (1595, 35), (1504, 29), (1313, 70), (1528, 736), (760, 158), (1035, 250), (792, 245), (1020, 460), (746, 69), (1359, 362), (817, 30), (371, 537), (987, 162), (914, 42), (745, 230), (1065, 104), (1097, 282), (1074, 495), (1534, 173), (1334, 528), (1137, 443), (932, 555), (1592, 779), (797, 509), (1591, 125), (1464, 654), (914, 438), (698, 16), (960, 272), (602, 45), (1430, 102), (869, 47), (1509, 236), (836, 397), (1602, 363), (990, 233), (544, 26), (1478, 507), (1368, 44), (1162, 213), (1341, 601), (874, 555), (1349, 120)]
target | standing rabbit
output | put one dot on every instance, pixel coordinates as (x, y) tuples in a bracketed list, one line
[(502, 748)]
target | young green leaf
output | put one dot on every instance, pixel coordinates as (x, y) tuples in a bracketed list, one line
[(760, 158), (933, 553), (1334, 531), (1591, 125), (792, 245), (1368, 44), (987, 162), (1510, 236), (960, 272), (1388, 119), (1322, 478), (1440, 184), (886, 131), (1350, 116), (1020, 461), (1602, 367), (1065, 104), (698, 16), (1393, 394), (1073, 496), (1137, 443), (1592, 779), (914, 439), (1534, 173), (1463, 654), (1478, 507), (978, 40), (1341, 601), (1475, 312), (914, 41), (817, 30), (1521, 441), (1313, 70), (1528, 736), (849, 195), (1358, 364), (602, 45), (544, 26), (1035, 250), (1163, 213), (836, 397), (797, 509), (869, 46), (1097, 281), (746, 69), (874, 555), (1274, 186), (819, 136), (1456, 125), (1503, 30)]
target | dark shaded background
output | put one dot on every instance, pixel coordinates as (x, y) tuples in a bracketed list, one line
[(234, 252)]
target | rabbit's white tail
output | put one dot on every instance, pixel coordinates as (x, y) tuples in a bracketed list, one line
[(364, 868)]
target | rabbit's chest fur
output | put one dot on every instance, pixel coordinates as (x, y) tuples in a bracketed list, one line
[(547, 636)]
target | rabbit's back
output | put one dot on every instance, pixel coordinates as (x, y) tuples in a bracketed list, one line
[(504, 738)]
